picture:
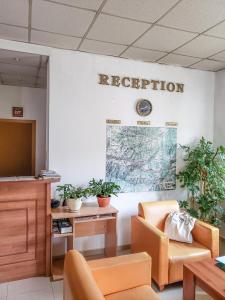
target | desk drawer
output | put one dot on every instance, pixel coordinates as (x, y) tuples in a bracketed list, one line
[(90, 228)]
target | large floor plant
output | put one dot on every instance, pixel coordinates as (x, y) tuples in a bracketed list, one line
[(204, 178)]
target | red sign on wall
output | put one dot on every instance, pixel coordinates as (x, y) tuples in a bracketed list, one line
[(17, 112)]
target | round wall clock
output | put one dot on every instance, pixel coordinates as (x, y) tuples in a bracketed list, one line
[(144, 107)]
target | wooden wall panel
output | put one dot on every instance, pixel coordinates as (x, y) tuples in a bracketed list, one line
[(24, 238), (18, 231)]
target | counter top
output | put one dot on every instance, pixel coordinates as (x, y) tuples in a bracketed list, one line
[(28, 179)]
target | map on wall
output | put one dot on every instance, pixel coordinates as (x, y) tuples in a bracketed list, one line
[(141, 159)]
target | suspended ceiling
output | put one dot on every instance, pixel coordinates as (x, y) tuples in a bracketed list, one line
[(189, 33), (23, 69)]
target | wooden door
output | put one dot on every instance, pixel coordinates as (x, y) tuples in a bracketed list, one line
[(17, 148)]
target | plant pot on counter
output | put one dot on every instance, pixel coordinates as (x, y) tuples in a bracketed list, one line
[(74, 204), (103, 201)]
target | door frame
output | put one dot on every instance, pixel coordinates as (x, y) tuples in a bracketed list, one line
[(33, 139)]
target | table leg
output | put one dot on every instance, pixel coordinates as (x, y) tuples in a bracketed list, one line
[(71, 239), (188, 285), (110, 238)]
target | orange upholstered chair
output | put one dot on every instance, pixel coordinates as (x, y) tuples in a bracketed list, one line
[(168, 256), (115, 278)]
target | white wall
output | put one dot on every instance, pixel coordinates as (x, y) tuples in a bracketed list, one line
[(79, 107), (33, 100), (219, 109)]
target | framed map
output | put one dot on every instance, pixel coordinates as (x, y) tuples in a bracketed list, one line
[(141, 159)]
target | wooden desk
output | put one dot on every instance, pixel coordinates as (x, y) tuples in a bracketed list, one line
[(25, 237), (90, 220), (205, 275)]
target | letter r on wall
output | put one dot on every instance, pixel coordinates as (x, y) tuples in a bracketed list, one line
[(103, 79)]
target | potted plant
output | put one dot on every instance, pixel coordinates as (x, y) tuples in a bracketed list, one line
[(103, 191), (204, 178), (64, 192), (75, 198)]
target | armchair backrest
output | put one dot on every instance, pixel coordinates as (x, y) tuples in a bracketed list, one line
[(79, 282), (155, 212)]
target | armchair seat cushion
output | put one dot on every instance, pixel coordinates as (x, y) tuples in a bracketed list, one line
[(139, 293), (180, 253)]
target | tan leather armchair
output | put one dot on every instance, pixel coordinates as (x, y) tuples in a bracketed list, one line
[(168, 256), (115, 278)]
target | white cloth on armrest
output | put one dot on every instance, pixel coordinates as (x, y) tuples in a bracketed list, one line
[(178, 226)]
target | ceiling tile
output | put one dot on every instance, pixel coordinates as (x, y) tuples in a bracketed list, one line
[(19, 58), (13, 33), (44, 60), (49, 16), (7, 77), (220, 56), (93, 4), (142, 54), (54, 40), (202, 46), (101, 47), (41, 82), (43, 72), (164, 39), (196, 16), (142, 10), (209, 65), (116, 30), (218, 30), (14, 12), (178, 60), (18, 80), (16, 69)]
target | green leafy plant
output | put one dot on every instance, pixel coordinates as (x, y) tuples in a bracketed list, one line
[(103, 189), (79, 192), (204, 178), (64, 192)]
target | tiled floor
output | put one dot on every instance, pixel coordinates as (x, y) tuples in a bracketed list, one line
[(40, 288)]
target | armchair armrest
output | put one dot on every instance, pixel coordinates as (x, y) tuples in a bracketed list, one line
[(207, 235), (145, 237), (120, 273)]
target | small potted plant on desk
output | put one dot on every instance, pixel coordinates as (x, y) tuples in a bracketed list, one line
[(64, 192), (75, 198), (103, 191)]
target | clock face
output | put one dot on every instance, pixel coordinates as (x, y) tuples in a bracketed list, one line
[(144, 107)]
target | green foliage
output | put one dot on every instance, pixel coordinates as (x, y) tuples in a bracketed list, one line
[(79, 192), (64, 191), (104, 189), (204, 178), (69, 191)]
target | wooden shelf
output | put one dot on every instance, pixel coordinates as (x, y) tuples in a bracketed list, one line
[(59, 235), (94, 219)]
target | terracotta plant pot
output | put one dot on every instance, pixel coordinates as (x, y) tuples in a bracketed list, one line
[(103, 201)]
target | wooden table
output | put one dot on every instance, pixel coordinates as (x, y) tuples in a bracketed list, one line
[(89, 220), (205, 275)]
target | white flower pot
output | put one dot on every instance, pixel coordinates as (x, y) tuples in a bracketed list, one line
[(74, 204)]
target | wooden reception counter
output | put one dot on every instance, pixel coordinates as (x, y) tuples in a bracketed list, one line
[(25, 209)]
